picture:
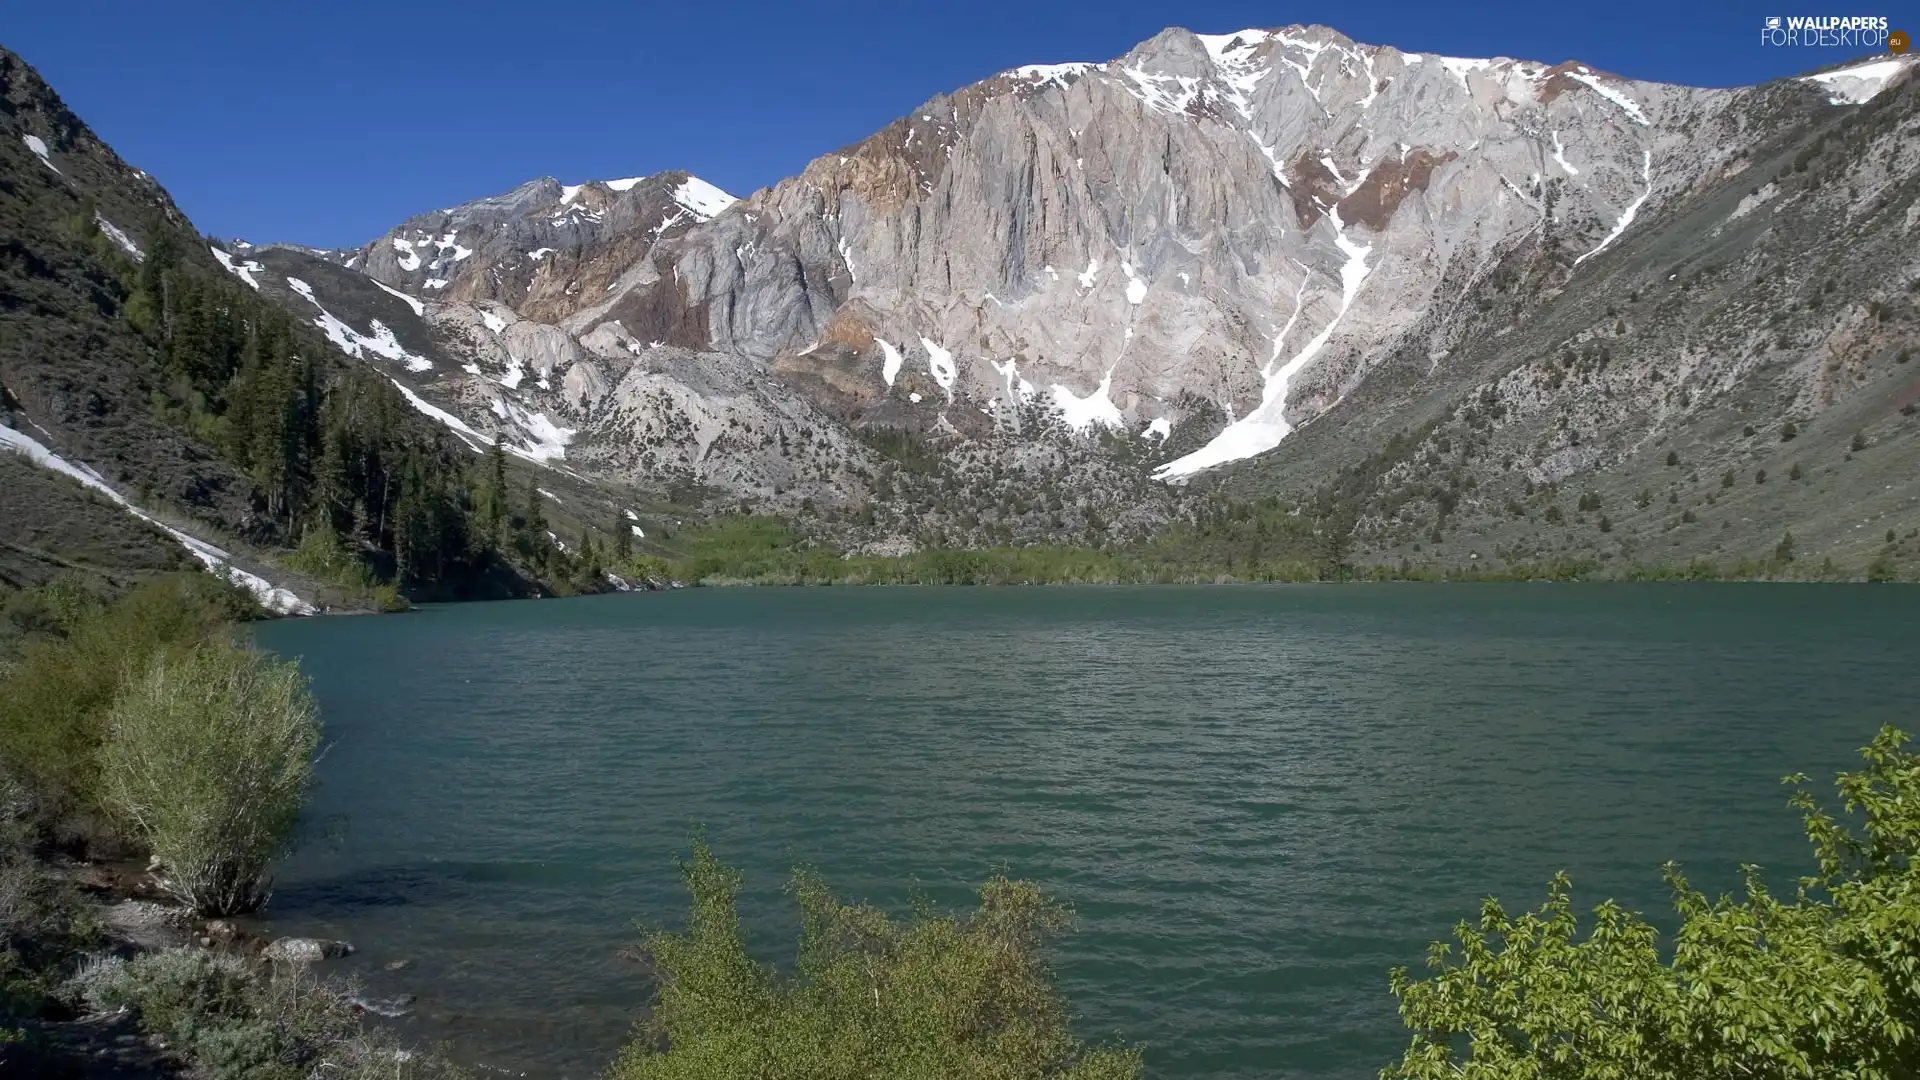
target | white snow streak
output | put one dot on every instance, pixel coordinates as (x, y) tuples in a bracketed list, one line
[(244, 271), (1050, 73), (1263, 428), (1860, 83), (1626, 216), (378, 339), (1018, 389), (701, 198), (39, 149), (846, 256), (418, 307), (939, 365), (1163, 93), (1560, 156), (1462, 67), (474, 440), (1082, 413), (117, 236), (1630, 106), (217, 561), (890, 361)]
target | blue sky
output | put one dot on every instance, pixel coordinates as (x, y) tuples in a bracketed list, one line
[(326, 123)]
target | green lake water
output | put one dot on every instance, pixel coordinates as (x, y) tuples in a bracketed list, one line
[(1258, 799)]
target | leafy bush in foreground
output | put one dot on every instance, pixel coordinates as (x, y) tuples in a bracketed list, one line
[(208, 757), (956, 997), (1826, 984), (54, 697)]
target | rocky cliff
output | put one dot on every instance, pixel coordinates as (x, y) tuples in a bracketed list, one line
[(1211, 245)]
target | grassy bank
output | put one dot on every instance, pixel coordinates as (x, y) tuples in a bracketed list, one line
[(758, 550)]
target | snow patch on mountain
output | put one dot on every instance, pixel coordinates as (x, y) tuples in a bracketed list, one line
[(1560, 156), (1627, 104), (1082, 413), (1163, 93), (1263, 428), (39, 148), (544, 440), (702, 199), (846, 257), (217, 561), (1626, 216), (474, 440), (890, 360), (378, 340), (1018, 389), (114, 233), (418, 307), (1051, 73), (1860, 83), (244, 271), (939, 365)]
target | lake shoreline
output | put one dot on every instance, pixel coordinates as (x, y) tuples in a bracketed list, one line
[(1224, 581)]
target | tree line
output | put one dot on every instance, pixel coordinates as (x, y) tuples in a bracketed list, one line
[(330, 447)]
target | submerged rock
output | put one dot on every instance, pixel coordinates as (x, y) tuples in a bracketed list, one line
[(298, 950), (388, 1007)]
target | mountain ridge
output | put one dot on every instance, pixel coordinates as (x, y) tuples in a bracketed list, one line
[(1269, 264)]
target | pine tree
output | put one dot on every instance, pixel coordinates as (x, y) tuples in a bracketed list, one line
[(496, 492), (534, 541), (622, 538), (589, 554)]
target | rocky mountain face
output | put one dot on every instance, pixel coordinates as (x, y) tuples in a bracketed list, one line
[(1260, 254)]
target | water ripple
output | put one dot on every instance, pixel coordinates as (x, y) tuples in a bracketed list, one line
[(1258, 799)]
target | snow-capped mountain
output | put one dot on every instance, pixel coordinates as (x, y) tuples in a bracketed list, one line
[(527, 247), (1207, 243)]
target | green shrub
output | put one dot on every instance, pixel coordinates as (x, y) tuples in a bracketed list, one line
[(1825, 984), (958, 997), (324, 555), (208, 758), (53, 701), (236, 1019), (180, 993)]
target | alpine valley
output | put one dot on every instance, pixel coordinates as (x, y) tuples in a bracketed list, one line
[(1263, 304)]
